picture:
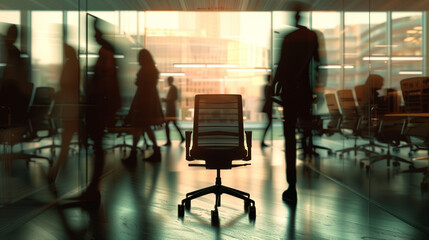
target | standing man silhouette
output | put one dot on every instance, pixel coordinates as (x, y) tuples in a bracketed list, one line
[(299, 49), (171, 110)]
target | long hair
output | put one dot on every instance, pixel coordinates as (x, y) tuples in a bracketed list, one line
[(146, 61)]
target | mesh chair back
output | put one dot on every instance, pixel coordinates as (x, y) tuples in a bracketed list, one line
[(415, 92), (334, 111), (42, 100), (218, 121), (348, 109), (331, 102)]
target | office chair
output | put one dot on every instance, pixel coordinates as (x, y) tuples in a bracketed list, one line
[(21, 131), (333, 125), (350, 121), (415, 92), (218, 139), (40, 120)]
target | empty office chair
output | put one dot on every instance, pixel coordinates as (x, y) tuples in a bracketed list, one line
[(417, 132), (218, 139), (390, 131), (350, 121), (41, 124), (333, 125), (368, 109), (21, 129), (412, 92), (415, 92)]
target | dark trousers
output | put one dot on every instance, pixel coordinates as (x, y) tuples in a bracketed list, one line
[(291, 113), (167, 129)]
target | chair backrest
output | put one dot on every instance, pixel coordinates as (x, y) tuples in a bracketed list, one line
[(394, 100), (349, 112), (43, 95), (42, 100), (331, 102), (347, 103), (415, 92), (360, 92), (218, 121)]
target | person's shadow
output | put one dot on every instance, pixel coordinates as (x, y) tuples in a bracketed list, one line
[(146, 180), (95, 227), (291, 227)]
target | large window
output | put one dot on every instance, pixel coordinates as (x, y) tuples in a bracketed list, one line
[(212, 52), (228, 52), (46, 47), (407, 46)]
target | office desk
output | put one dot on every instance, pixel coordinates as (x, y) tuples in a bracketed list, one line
[(425, 115)]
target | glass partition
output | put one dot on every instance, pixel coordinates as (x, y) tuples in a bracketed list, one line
[(365, 57)]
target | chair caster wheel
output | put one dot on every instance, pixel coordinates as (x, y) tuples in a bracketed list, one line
[(215, 217), (252, 212), (396, 164), (246, 206), (188, 205), (181, 211), (424, 187)]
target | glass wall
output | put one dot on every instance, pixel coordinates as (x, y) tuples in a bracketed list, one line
[(232, 52)]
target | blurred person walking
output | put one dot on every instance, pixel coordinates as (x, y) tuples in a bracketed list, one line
[(299, 54), (171, 112), (145, 111)]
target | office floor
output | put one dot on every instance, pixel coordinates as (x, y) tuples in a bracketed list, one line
[(336, 199)]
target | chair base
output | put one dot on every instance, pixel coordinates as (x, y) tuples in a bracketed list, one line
[(218, 189), (388, 157)]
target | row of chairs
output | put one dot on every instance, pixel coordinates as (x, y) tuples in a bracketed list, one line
[(381, 130)]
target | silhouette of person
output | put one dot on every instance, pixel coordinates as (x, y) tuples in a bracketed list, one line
[(67, 100), (171, 114), (298, 50), (103, 96), (145, 110), (267, 108), (15, 88)]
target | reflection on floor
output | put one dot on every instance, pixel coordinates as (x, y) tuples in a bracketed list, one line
[(337, 199)]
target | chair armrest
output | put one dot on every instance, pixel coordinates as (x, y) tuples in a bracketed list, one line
[(188, 135), (249, 145)]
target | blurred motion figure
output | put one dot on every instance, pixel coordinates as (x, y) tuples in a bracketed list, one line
[(145, 111), (66, 101), (267, 108), (14, 85), (103, 97), (171, 114), (299, 49)]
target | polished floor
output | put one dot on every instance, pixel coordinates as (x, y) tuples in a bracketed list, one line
[(337, 199)]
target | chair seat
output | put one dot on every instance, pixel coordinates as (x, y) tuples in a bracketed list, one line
[(218, 153)]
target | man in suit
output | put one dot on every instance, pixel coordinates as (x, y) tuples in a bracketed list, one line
[(299, 53), (170, 115)]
